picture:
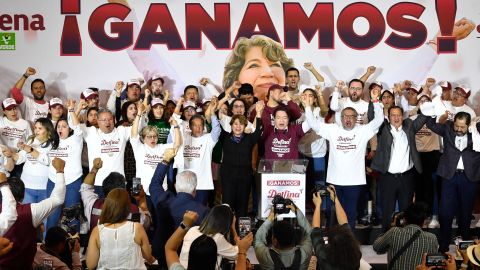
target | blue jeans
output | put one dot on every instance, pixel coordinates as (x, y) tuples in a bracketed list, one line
[(72, 197), (34, 195), (348, 196)]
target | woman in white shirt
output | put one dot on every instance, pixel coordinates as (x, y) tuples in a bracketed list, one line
[(34, 153), (148, 152), (117, 243), (69, 149), (220, 225)]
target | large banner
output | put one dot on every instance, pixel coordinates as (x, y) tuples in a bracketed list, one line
[(75, 44)]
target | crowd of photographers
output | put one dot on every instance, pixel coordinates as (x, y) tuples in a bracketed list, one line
[(137, 183)]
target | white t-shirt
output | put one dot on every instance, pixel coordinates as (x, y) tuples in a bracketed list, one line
[(70, 150), (225, 123), (346, 162), (318, 147), (452, 110), (147, 159), (338, 104), (11, 132), (109, 147), (224, 248), (33, 110), (35, 170), (197, 157), (3, 163)]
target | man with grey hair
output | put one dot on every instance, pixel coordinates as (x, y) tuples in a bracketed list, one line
[(170, 208), (106, 142)]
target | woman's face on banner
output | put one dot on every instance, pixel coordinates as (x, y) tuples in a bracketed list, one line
[(260, 72)]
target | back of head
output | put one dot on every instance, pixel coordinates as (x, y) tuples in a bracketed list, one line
[(284, 233), (218, 220), (416, 213), (186, 182), (112, 181), (343, 249), (17, 187), (116, 207), (55, 236), (203, 254)]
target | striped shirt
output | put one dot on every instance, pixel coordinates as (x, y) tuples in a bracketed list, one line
[(396, 237)]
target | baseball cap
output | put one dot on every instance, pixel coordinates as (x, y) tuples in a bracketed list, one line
[(376, 83), (386, 90), (464, 89), (54, 102), (9, 103), (88, 94), (415, 88), (156, 101), (445, 85), (133, 81), (156, 77), (423, 95), (189, 104)]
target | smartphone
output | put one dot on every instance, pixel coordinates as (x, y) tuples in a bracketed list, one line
[(136, 182), (463, 245), (436, 259), (244, 226)]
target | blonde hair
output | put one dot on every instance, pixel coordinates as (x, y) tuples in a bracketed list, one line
[(271, 49), (146, 130)]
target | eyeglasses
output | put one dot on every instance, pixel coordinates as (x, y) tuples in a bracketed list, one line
[(151, 137), (349, 116), (105, 120), (356, 88)]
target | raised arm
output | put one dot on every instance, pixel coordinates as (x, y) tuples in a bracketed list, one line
[(117, 92), (309, 66), (334, 103), (178, 108), (340, 212), (16, 90), (175, 241), (157, 193), (321, 101), (370, 71), (44, 208), (378, 118), (177, 142)]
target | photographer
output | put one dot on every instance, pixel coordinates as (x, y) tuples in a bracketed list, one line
[(60, 251), (283, 253), (406, 245), (343, 250), (450, 264)]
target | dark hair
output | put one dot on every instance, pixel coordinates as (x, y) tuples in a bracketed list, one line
[(157, 79), (416, 213), (88, 111), (343, 248), (112, 181), (316, 103), (395, 107), (284, 233), (151, 116), (57, 235), (51, 133), (70, 133), (218, 220), (202, 254), (463, 116), (36, 80), (386, 92), (356, 80), (230, 106), (188, 87), (281, 108), (245, 89), (196, 116), (124, 111), (116, 207), (290, 69), (17, 187)]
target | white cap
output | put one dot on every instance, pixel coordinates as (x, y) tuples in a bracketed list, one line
[(189, 104), (134, 81), (9, 103), (156, 101), (55, 101)]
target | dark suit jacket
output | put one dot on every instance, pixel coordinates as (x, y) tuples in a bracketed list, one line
[(381, 160), (451, 155)]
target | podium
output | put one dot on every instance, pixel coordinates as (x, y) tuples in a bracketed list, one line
[(285, 178)]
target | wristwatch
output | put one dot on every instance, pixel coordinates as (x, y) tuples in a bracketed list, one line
[(183, 226)]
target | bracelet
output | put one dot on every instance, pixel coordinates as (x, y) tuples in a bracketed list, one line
[(60, 172), (25, 75), (463, 265), (177, 126)]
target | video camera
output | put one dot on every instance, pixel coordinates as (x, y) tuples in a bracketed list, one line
[(280, 205), (69, 216), (321, 189)]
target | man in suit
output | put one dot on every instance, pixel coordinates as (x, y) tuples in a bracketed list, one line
[(170, 208), (395, 158), (460, 171)]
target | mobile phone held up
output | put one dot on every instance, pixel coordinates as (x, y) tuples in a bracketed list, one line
[(136, 186), (244, 226)]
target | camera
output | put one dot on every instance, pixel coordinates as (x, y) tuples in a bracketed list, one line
[(280, 205), (321, 189), (136, 182), (70, 216), (463, 245), (74, 211), (436, 259)]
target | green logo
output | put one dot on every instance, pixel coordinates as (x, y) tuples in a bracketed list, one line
[(7, 41)]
